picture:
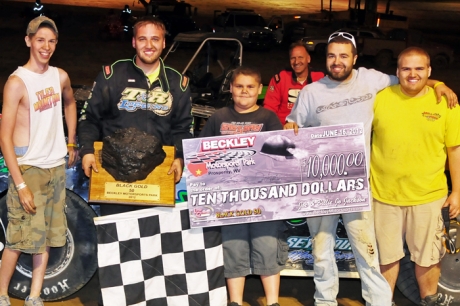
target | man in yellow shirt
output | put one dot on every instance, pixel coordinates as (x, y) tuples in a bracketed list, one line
[(412, 137)]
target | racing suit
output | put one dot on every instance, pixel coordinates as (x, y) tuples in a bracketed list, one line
[(283, 90), (123, 97)]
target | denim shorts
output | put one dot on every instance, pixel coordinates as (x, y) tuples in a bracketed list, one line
[(254, 248), (32, 233)]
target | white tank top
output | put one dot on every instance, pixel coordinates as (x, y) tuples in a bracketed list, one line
[(47, 147)]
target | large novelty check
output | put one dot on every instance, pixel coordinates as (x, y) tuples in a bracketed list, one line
[(276, 175)]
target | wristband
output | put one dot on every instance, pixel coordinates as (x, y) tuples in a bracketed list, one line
[(437, 84), (21, 186), (72, 145)]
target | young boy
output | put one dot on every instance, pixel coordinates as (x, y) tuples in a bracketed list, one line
[(33, 144), (257, 248)]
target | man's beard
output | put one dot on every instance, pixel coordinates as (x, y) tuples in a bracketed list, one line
[(338, 78)]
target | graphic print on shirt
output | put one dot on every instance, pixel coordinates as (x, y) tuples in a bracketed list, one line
[(431, 116), (293, 93), (345, 102), (232, 128), (46, 99), (157, 101)]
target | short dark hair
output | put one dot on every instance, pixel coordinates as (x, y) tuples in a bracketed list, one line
[(247, 70), (296, 44), (414, 50), (149, 20), (343, 40)]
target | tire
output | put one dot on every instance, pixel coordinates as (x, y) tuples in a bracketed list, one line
[(440, 61), (449, 281), (70, 267), (383, 59)]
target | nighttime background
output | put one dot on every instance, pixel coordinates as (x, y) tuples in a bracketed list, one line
[(82, 51)]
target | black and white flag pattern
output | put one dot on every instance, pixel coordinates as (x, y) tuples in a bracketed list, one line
[(152, 257)]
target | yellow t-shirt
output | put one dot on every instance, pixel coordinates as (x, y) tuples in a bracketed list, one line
[(154, 75), (408, 154)]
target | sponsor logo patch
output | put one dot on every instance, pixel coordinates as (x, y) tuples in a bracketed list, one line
[(431, 116), (155, 100)]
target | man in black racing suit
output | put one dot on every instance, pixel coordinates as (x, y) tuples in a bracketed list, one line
[(141, 93)]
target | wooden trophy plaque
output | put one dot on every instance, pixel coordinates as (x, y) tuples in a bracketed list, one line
[(158, 189)]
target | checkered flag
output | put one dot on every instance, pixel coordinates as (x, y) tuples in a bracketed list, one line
[(152, 257)]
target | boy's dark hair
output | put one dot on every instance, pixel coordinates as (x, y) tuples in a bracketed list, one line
[(247, 70), (149, 20)]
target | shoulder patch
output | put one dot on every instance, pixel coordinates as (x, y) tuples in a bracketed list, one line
[(185, 80), (277, 78), (107, 71)]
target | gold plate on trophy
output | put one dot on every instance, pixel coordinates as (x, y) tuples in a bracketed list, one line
[(158, 189)]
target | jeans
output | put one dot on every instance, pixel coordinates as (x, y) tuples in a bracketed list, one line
[(361, 234)]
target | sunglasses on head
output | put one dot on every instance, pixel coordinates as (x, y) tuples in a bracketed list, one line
[(344, 35)]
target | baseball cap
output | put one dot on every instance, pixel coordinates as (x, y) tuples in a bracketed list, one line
[(35, 23)]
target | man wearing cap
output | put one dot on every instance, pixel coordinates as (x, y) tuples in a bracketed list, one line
[(285, 86), (34, 147), (346, 95)]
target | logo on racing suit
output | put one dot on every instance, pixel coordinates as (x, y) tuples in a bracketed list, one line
[(293, 93), (154, 100)]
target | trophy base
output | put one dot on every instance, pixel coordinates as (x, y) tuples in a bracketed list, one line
[(157, 189)]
